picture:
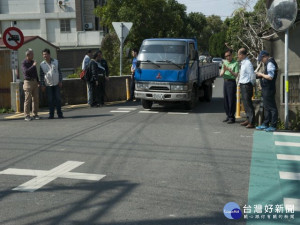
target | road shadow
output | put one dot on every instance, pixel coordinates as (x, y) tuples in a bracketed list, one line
[(101, 198)]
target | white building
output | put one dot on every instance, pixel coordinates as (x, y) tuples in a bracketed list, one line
[(68, 24)]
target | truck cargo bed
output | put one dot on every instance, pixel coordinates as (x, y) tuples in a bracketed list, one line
[(208, 71)]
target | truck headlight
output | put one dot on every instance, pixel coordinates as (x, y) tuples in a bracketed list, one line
[(179, 87), (141, 86)]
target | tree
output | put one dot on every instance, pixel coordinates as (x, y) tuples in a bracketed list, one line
[(110, 47), (195, 24), (245, 28), (217, 45), (155, 18), (213, 26), (151, 19)]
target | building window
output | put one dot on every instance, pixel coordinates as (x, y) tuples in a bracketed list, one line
[(65, 26)]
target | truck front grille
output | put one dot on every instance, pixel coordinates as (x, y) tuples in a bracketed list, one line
[(158, 88)]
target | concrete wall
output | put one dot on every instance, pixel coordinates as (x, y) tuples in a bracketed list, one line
[(276, 48), (74, 91)]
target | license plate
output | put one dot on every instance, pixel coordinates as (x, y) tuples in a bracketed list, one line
[(158, 96)]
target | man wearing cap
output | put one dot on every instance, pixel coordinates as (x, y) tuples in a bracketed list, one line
[(268, 85)]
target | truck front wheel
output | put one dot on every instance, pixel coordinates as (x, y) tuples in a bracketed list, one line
[(208, 90), (146, 104), (192, 103)]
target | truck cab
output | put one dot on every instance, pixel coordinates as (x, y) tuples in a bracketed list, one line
[(167, 71)]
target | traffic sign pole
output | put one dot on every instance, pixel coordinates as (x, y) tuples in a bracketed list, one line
[(13, 38), (122, 29), (286, 78), (121, 49), (14, 64)]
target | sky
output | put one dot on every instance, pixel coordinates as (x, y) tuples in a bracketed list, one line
[(222, 8)]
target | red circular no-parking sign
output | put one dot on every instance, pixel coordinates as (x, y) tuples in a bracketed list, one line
[(13, 38)]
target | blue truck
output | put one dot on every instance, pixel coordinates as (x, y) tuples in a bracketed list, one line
[(168, 70)]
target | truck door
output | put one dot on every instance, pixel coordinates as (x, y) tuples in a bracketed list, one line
[(193, 63)]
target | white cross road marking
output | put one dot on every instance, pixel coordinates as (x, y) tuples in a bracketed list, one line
[(177, 113), (287, 134), (119, 111), (292, 201), (43, 177), (150, 112), (289, 144), (288, 157), (289, 175), (127, 109)]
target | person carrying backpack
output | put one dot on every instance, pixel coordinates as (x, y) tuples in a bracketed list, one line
[(84, 67), (97, 75)]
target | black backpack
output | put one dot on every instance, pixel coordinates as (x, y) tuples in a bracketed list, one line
[(88, 73)]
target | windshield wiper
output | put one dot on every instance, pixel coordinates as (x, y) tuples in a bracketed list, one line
[(168, 61), (149, 61)]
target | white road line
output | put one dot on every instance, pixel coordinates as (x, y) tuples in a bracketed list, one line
[(177, 113), (51, 175), (287, 134), (24, 172), (127, 109), (288, 157), (150, 112), (119, 111), (82, 176), (21, 115), (288, 144), (289, 175), (292, 201), (43, 177)]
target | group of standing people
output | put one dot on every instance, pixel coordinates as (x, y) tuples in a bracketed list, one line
[(97, 74), (50, 80), (244, 76)]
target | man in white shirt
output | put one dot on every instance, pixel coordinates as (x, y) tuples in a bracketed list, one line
[(246, 82), (85, 63), (51, 80)]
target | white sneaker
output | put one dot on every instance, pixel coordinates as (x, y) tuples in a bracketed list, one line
[(28, 118), (36, 117)]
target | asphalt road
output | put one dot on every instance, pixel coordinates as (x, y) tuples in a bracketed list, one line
[(165, 166)]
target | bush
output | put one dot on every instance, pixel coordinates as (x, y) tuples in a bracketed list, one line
[(76, 74), (5, 110), (295, 124), (110, 48)]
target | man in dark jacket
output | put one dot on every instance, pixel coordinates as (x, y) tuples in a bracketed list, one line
[(104, 64), (31, 86), (268, 84), (98, 73)]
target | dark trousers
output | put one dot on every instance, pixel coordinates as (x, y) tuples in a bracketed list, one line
[(247, 93), (230, 99), (132, 88), (271, 112), (54, 99), (98, 93)]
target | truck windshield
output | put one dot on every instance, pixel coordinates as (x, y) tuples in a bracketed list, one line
[(163, 51)]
